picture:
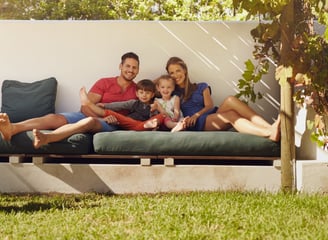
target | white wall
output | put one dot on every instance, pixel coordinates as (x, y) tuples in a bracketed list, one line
[(78, 53)]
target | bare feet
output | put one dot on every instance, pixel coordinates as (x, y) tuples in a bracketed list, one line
[(84, 97), (275, 132), (5, 127), (181, 125), (40, 138), (151, 124)]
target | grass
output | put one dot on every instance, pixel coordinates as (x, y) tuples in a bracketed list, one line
[(196, 215)]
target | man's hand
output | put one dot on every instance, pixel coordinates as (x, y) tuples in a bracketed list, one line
[(110, 119)]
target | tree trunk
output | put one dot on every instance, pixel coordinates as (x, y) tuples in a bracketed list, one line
[(287, 138), (287, 106)]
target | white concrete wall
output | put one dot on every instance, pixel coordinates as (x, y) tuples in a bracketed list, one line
[(80, 52), (122, 179)]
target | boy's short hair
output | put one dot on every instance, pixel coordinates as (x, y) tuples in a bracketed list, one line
[(146, 85)]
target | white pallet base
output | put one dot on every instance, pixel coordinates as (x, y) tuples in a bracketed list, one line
[(312, 176), (121, 179)]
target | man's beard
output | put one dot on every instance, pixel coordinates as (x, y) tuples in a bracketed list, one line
[(128, 78)]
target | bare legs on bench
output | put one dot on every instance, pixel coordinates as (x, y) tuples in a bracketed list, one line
[(89, 124), (234, 112), (8, 129)]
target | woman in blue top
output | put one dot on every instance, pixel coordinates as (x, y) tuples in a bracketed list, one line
[(200, 113)]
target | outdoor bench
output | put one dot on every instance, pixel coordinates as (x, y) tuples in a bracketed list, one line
[(145, 147)]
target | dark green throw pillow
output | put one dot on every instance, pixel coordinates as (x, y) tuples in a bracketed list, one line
[(23, 101)]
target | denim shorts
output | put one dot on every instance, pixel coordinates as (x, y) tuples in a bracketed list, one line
[(73, 117)]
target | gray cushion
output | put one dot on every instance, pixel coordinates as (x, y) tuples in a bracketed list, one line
[(22, 144), (184, 143), (22, 100)]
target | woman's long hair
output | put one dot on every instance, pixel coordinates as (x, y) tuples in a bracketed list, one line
[(190, 87)]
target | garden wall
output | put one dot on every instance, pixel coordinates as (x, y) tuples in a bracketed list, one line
[(78, 53)]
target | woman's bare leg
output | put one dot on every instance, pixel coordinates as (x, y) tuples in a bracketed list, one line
[(232, 103), (89, 124), (50, 121), (222, 121)]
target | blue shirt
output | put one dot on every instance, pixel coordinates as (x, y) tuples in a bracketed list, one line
[(194, 104)]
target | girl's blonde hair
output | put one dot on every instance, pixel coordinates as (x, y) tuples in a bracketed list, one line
[(163, 77)]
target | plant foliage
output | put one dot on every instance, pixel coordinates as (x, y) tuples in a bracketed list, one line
[(116, 9), (302, 59)]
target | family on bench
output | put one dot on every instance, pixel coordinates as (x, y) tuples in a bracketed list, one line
[(118, 103)]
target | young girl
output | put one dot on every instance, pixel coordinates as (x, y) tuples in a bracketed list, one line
[(201, 114), (167, 104)]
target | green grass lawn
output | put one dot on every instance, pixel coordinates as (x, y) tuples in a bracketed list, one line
[(197, 215)]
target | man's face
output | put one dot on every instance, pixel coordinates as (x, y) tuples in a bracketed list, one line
[(129, 69)]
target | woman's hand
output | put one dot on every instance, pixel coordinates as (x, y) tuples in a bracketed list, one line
[(191, 121)]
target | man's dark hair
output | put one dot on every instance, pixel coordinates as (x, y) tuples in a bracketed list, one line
[(146, 85), (129, 55)]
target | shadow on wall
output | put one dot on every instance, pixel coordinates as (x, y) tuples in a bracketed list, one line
[(71, 174)]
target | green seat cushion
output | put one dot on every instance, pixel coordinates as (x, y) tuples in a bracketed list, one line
[(185, 143), (22, 100), (22, 144)]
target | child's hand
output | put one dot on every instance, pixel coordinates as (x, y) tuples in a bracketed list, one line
[(153, 106), (102, 105)]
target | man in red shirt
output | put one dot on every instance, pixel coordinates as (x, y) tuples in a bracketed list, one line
[(105, 90)]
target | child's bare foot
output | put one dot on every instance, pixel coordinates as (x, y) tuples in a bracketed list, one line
[(84, 97), (40, 138), (151, 124), (6, 128), (275, 133), (181, 125)]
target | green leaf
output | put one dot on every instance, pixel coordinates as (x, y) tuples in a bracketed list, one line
[(249, 65), (309, 124)]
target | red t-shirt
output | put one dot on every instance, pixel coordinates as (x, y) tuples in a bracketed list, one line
[(110, 91)]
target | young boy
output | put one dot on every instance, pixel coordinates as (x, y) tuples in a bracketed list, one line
[(140, 116)]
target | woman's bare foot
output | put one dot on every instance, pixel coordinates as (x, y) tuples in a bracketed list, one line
[(181, 125), (5, 127), (40, 138), (151, 124), (275, 132)]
